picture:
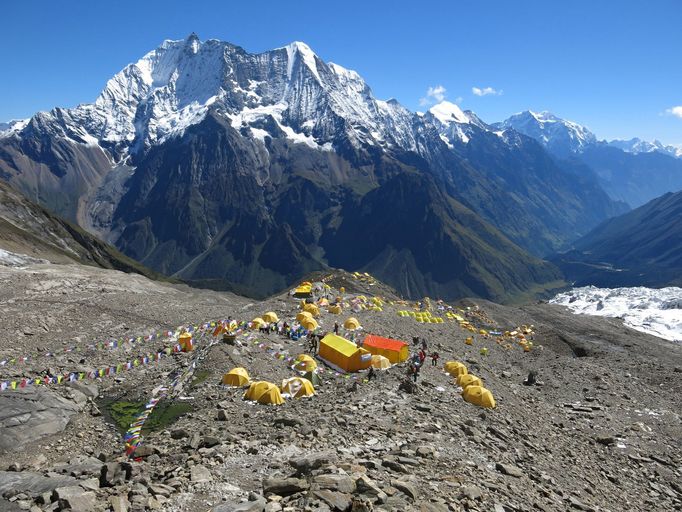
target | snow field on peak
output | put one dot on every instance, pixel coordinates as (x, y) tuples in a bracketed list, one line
[(447, 112)]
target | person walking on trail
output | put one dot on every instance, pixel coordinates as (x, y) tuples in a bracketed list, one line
[(434, 359), (415, 372), (422, 357), (370, 375), (336, 328)]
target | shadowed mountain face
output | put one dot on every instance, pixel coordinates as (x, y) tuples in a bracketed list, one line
[(26, 228), (641, 248), (234, 224), (246, 171)]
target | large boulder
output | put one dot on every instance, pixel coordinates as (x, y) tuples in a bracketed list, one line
[(32, 483), (29, 414)]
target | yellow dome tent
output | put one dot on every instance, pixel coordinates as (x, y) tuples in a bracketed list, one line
[(271, 317), (257, 323), (335, 309), (271, 396), (185, 341), (310, 324), (312, 309), (455, 368), (237, 377), (303, 315), (305, 363), (264, 393), (340, 353), (380, 362), (256, 389), (468, 380), (298, 387), (478, 395), (351, 324)]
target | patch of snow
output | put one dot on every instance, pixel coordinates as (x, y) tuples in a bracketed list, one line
[(298, 48), (649, 310)]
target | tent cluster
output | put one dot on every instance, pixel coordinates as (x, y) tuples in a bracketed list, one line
[(472, 387), (364, 277), (267, 393), (421, 316)]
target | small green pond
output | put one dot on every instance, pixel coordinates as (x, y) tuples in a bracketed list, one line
[(123, 413)]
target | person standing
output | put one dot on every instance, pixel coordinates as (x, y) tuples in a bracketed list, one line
[(434, 358)]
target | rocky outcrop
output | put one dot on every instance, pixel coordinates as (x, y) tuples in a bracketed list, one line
[(30, 414)]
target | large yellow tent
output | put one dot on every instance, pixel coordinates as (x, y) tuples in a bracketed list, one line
[(236, 377), (455, 368), (309, 324), (312, 309), (303, 315), (271, 317), (264, 393), (351, 324), (298, 387), (340, 353), (380, 362), (478, 395), (395, 351), (305, 363)]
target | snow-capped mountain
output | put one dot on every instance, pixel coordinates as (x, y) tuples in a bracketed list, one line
[(637, 145), (558, 135), (452, 123), (174, 86), (12, 126)]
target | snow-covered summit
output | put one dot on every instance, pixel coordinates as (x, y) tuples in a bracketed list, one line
[(637, 145), (560, 136), (13, 125), (447, 112), (174, 86)]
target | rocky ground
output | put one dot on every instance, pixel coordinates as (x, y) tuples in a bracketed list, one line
[(601, 429)]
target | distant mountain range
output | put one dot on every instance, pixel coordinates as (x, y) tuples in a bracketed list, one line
[(640, 248), (633, 171), (245, 171)]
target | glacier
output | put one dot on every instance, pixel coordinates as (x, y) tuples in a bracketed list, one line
[(649, 310)]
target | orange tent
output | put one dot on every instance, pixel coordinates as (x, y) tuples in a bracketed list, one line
[(395, 351)]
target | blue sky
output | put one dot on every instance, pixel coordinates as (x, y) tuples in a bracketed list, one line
[(613, 66)]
